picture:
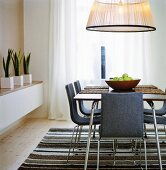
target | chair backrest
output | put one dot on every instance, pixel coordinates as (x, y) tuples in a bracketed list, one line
[(82, 108), (72, 103), (162, 111), (122, 115), (77, 86)]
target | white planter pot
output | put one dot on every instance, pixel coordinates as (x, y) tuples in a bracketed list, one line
[(18, 80), (7, 82), (27, 78)]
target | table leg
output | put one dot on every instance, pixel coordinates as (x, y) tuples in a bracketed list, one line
[(156, 133), (89, 134), (97, 103)]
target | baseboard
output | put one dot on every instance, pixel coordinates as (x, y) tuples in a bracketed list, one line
[(5, 132)]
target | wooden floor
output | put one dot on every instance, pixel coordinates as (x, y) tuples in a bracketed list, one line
[(17, 145)]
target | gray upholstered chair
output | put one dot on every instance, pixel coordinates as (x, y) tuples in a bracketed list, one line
[(148, 119), (121, 118), (159, 112), (160, 116), (83, 109), (75, 117)]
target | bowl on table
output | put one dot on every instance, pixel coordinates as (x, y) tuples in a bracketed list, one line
[(122, 85)]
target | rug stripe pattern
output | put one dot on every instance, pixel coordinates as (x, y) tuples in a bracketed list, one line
[(51, 153)]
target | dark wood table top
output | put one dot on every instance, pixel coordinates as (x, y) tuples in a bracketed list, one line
[(150, 93)]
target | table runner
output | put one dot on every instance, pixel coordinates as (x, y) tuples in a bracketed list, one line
[(146, 89)]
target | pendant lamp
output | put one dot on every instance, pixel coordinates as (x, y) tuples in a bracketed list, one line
[(120, 16)]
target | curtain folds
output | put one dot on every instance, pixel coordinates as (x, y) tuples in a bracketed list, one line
[(61, 56)]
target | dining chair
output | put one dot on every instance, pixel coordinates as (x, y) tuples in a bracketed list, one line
[(121, 118), (83, 109), (160, 116), (148, 119), (75, 117), (159, 112)]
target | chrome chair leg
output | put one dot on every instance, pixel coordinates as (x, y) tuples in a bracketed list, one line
[(75, 142), (156, 134), (94, 130), (114, 150), (98, 154), (135, 146), (145, 130), (164, 129), (71, 142), (79, 135), (135, 151), (89, 135), (140, 152), (145, 154)]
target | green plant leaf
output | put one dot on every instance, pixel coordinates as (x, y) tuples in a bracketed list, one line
[(16, 63), (26, 62), (6, 64)]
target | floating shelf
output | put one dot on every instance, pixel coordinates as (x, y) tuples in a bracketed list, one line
[(16, 103)]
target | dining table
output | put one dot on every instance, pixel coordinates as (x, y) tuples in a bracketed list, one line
[(92, 93)]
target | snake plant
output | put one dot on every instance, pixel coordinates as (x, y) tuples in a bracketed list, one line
[(26, 61), (6, 64), (17, 58)]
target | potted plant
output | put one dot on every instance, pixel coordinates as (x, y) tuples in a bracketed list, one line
[(27, 76), (7, 81), (18, 78)]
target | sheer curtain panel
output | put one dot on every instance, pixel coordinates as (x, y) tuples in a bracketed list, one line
[(61, 55)]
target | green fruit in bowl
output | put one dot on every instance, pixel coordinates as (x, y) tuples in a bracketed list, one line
[(127, 78), (125, 75), (115, 78), (120, 78)]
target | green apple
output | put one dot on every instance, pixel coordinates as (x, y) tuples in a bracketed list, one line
[(120, 78), (115, 78), (125, 75), (127, 78)]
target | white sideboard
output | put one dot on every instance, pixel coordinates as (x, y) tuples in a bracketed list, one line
[(16, 103)]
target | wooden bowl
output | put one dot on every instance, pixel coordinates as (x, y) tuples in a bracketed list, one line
[(123, 85)]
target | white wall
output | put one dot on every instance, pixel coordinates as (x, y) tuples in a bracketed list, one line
[(27, 22), (36, 34), (11, 27)]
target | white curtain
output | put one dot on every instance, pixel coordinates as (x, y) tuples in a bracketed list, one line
[(75, 52), (61, 55)]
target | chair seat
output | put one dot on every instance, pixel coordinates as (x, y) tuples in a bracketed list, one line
[(159, 112), (149, 119), (87, 112)]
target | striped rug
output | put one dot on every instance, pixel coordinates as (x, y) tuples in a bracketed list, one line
[(51, 153)]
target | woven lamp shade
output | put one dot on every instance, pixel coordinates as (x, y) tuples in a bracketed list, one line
[(120, 16)]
